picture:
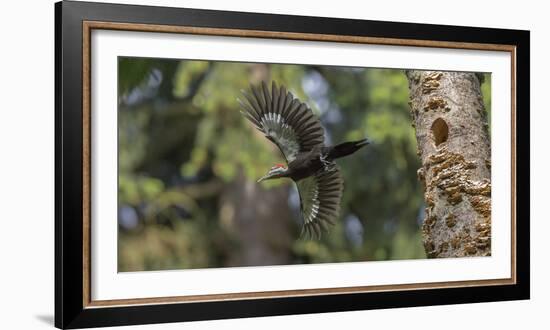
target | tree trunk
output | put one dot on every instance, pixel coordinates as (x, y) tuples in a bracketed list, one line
[(259, 221), (454, 146)]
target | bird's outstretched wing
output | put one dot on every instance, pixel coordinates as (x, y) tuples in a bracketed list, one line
[(284, 120), (320, 197)]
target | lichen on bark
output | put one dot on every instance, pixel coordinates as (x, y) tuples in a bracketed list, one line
[(454, 146)]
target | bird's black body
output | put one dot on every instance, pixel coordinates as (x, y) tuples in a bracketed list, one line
[(308, 163), (291, 126)]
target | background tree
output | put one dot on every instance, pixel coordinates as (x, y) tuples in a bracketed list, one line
[(454, 145)]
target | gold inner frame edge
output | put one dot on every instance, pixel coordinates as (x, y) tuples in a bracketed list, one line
[(88, 26)]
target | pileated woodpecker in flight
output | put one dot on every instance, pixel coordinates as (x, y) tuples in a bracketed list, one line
[(292, 126)]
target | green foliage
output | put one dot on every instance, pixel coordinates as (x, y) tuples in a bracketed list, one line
[(132, 72), (486, 92), (161, 247), (185, 150)]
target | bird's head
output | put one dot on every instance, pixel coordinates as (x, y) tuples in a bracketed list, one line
[(277, 171)]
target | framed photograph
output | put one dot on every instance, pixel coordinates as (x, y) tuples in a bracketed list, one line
[(215, 164)]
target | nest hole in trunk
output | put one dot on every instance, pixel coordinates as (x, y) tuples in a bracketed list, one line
[(440, 131)]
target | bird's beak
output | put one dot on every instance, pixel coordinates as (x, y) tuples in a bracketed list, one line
[(263, 178)]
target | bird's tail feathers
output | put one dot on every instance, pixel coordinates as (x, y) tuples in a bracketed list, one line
[(346, 148)]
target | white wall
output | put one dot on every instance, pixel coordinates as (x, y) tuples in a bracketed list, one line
[(26, 163)]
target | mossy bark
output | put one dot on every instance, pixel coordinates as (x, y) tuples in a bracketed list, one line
[(454, 146)]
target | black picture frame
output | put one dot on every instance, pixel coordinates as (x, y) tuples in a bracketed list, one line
[(70, 309)]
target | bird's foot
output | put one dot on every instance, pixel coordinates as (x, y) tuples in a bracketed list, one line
[(328, 165)]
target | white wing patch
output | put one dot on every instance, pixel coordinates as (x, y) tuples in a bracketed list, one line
[(274, 126), (320, 197), (283, 119)]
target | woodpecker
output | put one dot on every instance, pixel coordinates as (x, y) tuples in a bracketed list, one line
[(297, 132)]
